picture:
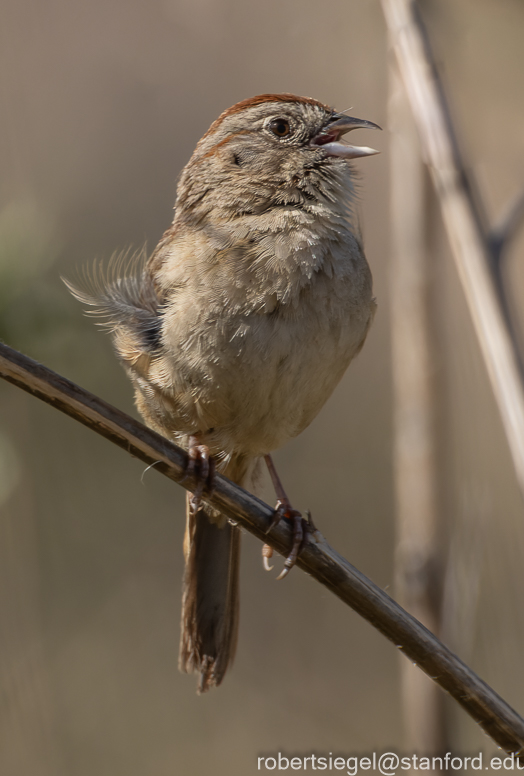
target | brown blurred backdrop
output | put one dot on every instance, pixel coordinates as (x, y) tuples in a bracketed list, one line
[(101, 104)]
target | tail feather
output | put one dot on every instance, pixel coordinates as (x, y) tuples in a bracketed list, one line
[(210, 601)]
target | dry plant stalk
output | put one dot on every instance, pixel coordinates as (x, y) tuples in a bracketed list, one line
[(416, 470), (471, 245)]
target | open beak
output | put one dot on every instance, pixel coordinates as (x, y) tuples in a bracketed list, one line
[(338, 125)]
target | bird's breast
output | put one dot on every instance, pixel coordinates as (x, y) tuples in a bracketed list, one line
[(255, 363)]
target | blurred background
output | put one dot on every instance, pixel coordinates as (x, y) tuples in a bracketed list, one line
[(101, 104)]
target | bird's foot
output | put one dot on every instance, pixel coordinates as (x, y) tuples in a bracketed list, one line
[(299, 530), (299, 526), (200, 467)]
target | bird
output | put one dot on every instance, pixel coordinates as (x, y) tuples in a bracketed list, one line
[(238, 327)]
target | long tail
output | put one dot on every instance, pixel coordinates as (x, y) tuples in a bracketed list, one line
[(210, 597)]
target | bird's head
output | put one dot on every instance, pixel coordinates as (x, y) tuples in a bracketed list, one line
[(269, 150)]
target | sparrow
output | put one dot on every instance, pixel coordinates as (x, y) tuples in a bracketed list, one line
[(238, 327)]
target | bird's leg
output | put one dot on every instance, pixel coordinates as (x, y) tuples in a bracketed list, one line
[(284, 509), (200, 466)]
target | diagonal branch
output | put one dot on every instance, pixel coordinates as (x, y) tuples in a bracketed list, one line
[(463, 218), (317, 558)]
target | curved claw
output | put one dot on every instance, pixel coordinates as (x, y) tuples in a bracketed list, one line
[(299, 528), (267, 553)]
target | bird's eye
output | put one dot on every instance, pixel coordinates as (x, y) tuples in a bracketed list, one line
[(280, 127)]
